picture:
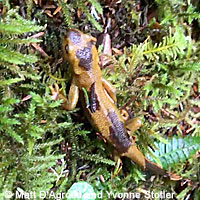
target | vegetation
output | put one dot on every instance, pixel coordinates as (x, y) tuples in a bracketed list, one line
[(155, 68)]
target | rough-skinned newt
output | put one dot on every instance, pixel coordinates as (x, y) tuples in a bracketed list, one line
[(81, 53)]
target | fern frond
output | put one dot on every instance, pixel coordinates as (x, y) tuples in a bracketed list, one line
[(169, 48), (190, 14), (19, 41), (96, 158), (16, 57), (8, 184), (29, 4), (10, 81), (97, 6), (189, 67), (66, 12), (15, 24), (92, 20), (81, 5), (67, 9), (47, 144), (177, 150), (11, 27)]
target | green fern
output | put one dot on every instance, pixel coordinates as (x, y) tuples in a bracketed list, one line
[(16, 57), (97, 6), (96, 158), (80, 4), (175, 151), (191, 14), (168, 49), (168, 11), (11, 28), (188, 67), (26, 132), (15, 24)]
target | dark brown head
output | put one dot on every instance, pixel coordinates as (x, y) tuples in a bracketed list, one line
[(77, 48)]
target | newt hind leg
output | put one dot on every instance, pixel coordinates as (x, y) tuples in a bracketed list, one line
[(110, 90), (133, 124)]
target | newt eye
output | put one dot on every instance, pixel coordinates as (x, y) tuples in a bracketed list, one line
[(67, 48)]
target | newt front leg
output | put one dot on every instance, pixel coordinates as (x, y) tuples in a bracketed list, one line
[(70, 102)]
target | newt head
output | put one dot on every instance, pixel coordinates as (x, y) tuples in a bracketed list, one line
[(77, 48)]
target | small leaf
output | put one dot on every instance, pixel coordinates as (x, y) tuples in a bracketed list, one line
[(30, 145), (55, 104), (81, 191), (16, 136)]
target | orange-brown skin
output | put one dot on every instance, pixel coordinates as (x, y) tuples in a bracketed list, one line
[(102, 112)]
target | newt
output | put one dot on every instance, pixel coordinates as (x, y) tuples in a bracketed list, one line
[(101, 110)]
